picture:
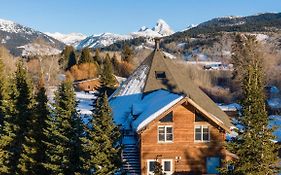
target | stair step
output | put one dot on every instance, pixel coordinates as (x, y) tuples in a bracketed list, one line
[(131, 155)]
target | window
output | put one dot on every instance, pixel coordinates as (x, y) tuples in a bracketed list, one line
[(160, 75), (166, 166), (167, 118), (165, 134), (150, 166), (199, 117), (202, 133)]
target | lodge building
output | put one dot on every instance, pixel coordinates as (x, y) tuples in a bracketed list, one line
[(166, 118)]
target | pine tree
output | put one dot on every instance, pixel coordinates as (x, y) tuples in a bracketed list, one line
[(158, 170), (97, 58), (16, 153), (71, 60), (102, 141), (63, 134), (127, 54), (3, 94), (68, 58), (42, 114), (85, 56), (24, 106), (254, 147), (107, 78), (8, 129)]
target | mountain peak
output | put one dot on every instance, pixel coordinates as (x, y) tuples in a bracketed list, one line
[(163, 28), (4, 21)]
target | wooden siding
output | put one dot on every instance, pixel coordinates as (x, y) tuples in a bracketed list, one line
[(188, 155)]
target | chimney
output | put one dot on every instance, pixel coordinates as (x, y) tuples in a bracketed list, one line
[(157, 43)]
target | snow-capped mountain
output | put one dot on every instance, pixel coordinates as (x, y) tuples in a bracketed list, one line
[(68, 39), (190, 27), (163, 28), (15, 37), (102, 40), (105, 39)]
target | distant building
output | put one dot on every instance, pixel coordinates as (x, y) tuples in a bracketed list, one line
[(166, 118), (87, 85)]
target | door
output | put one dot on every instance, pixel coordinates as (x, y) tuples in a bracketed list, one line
[(212, 164)]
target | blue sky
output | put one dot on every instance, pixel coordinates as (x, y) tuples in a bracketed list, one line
[(124, 16)]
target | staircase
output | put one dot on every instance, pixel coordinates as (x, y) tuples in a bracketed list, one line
[(131, 154)]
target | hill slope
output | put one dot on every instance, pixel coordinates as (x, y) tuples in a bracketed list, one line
[(16, 37)]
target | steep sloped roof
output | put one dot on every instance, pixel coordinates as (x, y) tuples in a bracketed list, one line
[(135, 111), (144, 80)]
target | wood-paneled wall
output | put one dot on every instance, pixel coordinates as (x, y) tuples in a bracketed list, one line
[(187, 154)]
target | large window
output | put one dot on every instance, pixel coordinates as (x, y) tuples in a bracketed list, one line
[(202, 133), (165, 134)]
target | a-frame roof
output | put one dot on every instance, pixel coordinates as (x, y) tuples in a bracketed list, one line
[(144, 80)]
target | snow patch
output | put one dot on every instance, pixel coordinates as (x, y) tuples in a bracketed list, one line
[(68, 39), (38, 49), (135, 83)]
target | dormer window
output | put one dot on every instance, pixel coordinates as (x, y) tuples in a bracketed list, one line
[(160, 75)]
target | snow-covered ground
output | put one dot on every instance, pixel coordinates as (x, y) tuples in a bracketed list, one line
[(38, 49), (85, 101)]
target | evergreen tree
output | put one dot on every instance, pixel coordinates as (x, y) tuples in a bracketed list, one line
[(85, 56), (158, 168), (63, 134), (71, 60), (68, 58), (97, 57), (16, 153), (107, 78), (7, 128), (3, 94), (254, 147), (127, 54), (41, 116), (102, 140)]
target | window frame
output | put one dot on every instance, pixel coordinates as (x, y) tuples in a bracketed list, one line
[(163, 166), (148, 165), (202, 133), (165, 134)]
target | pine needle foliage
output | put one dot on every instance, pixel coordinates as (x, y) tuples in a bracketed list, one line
[(257, 153)]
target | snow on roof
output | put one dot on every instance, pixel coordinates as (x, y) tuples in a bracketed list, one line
[(135, 111), (135, 83)]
